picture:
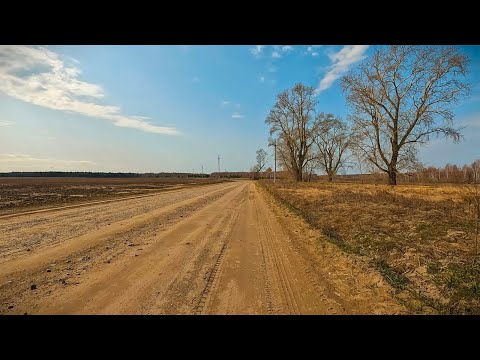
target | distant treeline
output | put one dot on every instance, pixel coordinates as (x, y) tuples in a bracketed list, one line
[(250, 174), (100, 174), (450, 173)]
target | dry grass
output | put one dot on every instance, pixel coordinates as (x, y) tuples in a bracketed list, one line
[(420, 237)]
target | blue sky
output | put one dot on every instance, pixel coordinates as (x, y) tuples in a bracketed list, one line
[(174, 108)]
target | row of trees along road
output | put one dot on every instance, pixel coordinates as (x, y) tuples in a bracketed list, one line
[(399, 98)]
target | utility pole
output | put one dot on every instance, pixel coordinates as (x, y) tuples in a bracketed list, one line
[(202, 170), (274, 143), (275, 162)]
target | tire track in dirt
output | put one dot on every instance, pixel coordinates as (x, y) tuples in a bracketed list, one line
[(188, 282), (92, 252), (275, 258), (53, 250), (144, 283), (343, 284), (213, 275), (330, 302), (269, 307), (211, 278), (226, 250), (17, 237)]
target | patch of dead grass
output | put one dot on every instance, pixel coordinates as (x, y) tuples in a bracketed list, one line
[(419, 237)]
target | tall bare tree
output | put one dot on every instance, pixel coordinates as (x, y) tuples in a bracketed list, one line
[(360, 158), (261, 156), (292, 122), (476, 170), (401, 97), (332, 141)]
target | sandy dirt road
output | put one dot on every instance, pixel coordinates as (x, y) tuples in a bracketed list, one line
[(220, 249)]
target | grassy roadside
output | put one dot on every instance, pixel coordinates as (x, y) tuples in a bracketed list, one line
[(418, 237)]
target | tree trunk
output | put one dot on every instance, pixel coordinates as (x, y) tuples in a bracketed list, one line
[(298, 176), (392, 177), (330, 178)]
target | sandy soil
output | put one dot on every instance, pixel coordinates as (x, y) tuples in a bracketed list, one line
[(223, 249)]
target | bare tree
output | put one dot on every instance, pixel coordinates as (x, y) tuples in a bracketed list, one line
[(261, 162), (465, 172), (292, 121), (331, 144), (400, 97), (308, 171), (360, 160), (476, 170)]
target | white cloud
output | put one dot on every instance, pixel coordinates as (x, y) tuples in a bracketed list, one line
[(310, 50), (225, 102), (196, 79), (39, 76), (276, 55), (287, 48), (257, 50), (262, 79), (22, 162), (341, 62), (237, 115), (6, 123)]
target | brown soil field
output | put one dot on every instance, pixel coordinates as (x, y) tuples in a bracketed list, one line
[(421, 238), (226, 248), (37, 193)]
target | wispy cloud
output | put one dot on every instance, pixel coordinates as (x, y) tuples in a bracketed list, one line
[(196, 79), (470, 120), (262, 79), (257, 50), (18, 162), (271, 69), (237, 115), (341, 62), (230, 105), (276, 55), (6, 123), (39, 76), (287, 48), (311, 50)]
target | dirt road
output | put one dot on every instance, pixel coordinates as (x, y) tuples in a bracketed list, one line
[(218, 249)]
